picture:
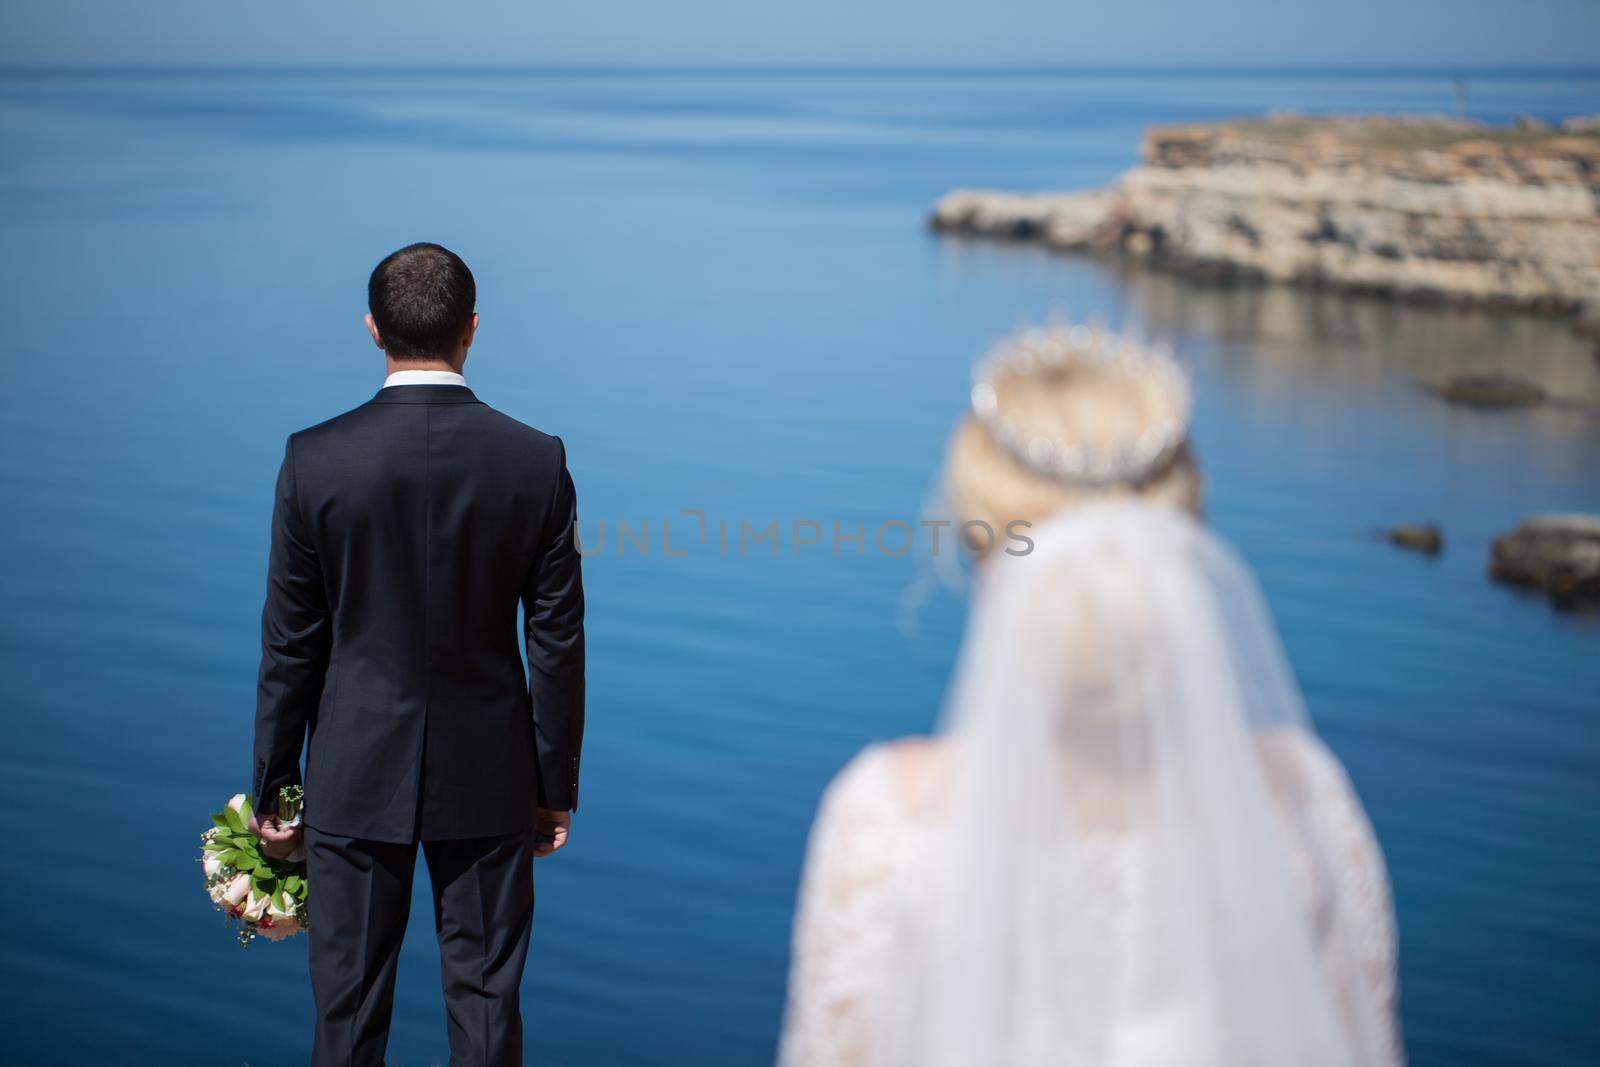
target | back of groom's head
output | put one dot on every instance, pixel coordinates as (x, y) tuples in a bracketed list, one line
[(421, 298)]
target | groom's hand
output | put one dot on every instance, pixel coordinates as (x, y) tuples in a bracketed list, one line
[(550, 831), (277, 841)]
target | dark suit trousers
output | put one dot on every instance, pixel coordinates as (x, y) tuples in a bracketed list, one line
[(360, 898)]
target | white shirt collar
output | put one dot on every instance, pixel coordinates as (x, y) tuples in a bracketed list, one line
[(424, 377)]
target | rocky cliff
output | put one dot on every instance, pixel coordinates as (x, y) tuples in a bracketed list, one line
[(1420, 208)]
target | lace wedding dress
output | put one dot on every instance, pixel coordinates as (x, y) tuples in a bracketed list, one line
[(859, 888), (1095, 877)]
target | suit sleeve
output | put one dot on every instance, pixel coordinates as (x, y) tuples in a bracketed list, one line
[(552, 604), (296, 633)]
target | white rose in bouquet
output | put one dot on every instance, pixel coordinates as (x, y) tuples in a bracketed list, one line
[(278, 931), (211, 864), (235, 892), (255, 907), (238, 803), (280, 921)]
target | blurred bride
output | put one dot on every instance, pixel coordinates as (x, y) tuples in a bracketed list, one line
[(1125, 847)]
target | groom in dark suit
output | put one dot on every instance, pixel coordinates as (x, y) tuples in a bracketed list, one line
[(404, 534)]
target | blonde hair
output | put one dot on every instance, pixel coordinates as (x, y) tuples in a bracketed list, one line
[(1081, 404)]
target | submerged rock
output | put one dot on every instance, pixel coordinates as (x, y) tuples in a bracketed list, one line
[(1422, 537), (1493, 391), (1559, 554)]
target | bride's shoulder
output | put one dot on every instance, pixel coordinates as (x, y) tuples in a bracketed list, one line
[(904, 771), (1299, 766)]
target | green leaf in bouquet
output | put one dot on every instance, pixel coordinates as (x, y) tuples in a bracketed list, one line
[(235, 822), (293, 883), (221, 821)]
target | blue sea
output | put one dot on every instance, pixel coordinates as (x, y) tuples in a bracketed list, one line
[(716, 286)]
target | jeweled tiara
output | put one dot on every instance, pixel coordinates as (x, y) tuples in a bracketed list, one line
[(1134, 461)]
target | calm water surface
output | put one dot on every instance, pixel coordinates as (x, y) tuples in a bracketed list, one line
[(717, 289)]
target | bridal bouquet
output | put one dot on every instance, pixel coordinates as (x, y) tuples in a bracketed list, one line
[(266, 896)]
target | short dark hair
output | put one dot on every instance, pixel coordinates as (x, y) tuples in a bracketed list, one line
[(422, 298)]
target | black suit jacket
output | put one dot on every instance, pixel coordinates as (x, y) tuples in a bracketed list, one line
[(404, 535)]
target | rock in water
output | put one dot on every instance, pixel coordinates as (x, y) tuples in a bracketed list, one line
[(1490, 391), (1066, 220), (1588, 322), (1422, 537), (1423, 208), (1559, 554)]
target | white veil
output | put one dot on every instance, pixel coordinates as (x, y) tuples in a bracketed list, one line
[(1121, 883)]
